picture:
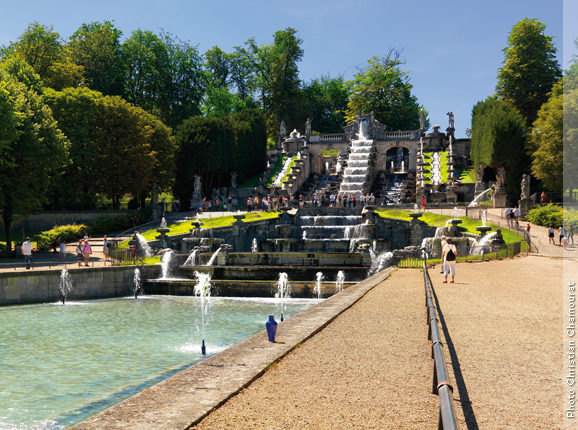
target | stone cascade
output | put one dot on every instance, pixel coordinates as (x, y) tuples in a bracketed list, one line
[(329, 227), (356, 174)]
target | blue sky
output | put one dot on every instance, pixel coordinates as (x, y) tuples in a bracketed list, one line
[(452, 48)]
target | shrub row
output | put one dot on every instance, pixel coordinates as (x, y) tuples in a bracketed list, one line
[(102, 224)]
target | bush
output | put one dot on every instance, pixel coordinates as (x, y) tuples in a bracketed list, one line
[(546, 215), (571, 218), (68, 233)]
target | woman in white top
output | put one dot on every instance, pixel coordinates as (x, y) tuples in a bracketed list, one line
[(449, 255)]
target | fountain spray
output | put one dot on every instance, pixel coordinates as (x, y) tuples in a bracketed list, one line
[(203, 290), (65, 284)]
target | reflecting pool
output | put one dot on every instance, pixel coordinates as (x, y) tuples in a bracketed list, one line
[(60, 364)]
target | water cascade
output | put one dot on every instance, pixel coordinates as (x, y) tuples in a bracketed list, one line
[(213, 257), (203, 290), (283, 291), (355, 174), (318, 283), (143, 245), (65, 284), (436, 173), (136, 282), (281, 174), (166, 264), (254, 246), (379, 262), (484, 217), (192, 258), (339, 281), (483, 245), (479, 198)]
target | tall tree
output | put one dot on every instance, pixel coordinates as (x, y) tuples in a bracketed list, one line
[(42, 48), (325, 103), (32, 150), (384, 89), (529, 69), (116, 148), (546, 138), (96, 47), (285, 94), (163, 76), (499, 139)]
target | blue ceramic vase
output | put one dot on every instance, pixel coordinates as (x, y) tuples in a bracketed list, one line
[(271, 328)]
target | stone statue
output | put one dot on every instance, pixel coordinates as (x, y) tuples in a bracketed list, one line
[(421, 120), (451, 118), (282, 129), (234, 180), (501, 178), (308, 127), (525, 195), (197, 185)]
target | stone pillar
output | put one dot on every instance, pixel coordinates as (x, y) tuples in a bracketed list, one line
[(415, 235), (499, 198)]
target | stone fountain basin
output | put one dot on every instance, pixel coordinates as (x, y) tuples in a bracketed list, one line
[(271, 272), (242, 287)]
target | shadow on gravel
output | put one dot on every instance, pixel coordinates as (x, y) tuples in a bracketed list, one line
[(464, 399)]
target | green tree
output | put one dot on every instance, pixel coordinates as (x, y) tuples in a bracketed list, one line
[(41, 48), (163, 76), (96, 47), (32, 150), (116, 148), (384, 89), (498, 140), (214, 147), (325, 102), (284, 85), (529, 69), (271, 72), (217, 64), (547, 138)]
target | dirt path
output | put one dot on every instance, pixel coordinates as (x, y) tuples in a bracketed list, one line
[(370, 368)]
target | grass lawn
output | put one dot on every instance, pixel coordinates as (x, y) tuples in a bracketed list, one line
[(222, 221), (468, 224)]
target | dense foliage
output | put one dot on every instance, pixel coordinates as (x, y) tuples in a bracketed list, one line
[(499, 138), (384, 89), (546, 215), (530, 68), (215, 147), (546, 139)]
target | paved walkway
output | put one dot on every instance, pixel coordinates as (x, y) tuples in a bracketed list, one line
[(371, 367)]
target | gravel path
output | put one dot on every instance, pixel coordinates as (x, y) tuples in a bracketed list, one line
[(505, 321), (370, 368)]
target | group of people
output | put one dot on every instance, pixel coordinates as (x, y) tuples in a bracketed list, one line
[(512, 217), (564, 235)]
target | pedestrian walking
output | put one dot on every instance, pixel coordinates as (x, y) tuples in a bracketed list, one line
[(62, 250), (561, 234), (551, 235), (86, 251), (106, 248), (422, 204), (80, 252), (571, 233), (27, 252), (449, 255), (507, 214)]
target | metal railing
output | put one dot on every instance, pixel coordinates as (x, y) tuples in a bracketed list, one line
[(441, 383)]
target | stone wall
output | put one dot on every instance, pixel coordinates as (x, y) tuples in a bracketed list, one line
[(42, 286)]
